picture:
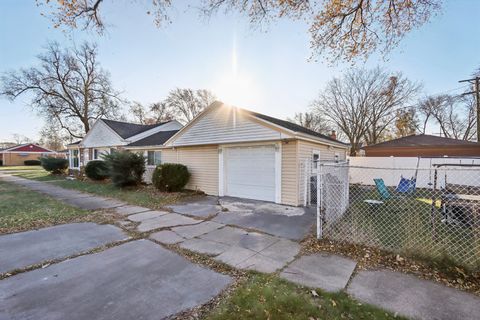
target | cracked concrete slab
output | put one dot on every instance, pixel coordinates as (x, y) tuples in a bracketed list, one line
[(165, 221), (228, 235), (260, 263), (166, 237), (136, 280), (129, 209), (205, 246), (290, 227), (196, 230), (203, 207), (237, 237), (283, 250), (143, 216), (20, 250), (327, 272), (235, 255), (94, 203), (413, 297)]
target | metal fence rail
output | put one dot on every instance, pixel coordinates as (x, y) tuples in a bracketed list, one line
[(433, 213)]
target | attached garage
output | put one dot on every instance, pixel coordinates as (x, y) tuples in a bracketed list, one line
[(249, 172), (239, 153)]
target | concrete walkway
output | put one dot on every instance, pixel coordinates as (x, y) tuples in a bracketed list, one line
[(203, 227)]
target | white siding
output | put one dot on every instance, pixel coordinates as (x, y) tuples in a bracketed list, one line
[(202, 163), (101, 136), (304, 155), (226, 125)]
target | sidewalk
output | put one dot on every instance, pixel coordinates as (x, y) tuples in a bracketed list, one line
[(397, 292)]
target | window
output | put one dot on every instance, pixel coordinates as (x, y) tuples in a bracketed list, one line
[(74, 162), (95, 154), (315, 159), (154, 158)]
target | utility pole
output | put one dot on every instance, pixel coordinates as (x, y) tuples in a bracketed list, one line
[(476, 83)]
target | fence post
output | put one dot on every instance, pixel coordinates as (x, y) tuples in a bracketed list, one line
[(319, 203), (306, 180)]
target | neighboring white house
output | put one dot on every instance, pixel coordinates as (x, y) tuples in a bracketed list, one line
[(107, 135)]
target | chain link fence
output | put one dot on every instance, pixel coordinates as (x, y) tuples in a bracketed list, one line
[(432, 213)]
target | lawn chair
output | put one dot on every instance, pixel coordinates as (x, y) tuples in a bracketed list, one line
[(406, 185), (382, 189)]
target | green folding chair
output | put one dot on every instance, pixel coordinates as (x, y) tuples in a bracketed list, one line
[(382, 189)]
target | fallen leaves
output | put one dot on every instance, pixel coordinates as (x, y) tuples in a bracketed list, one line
[(372, 258)]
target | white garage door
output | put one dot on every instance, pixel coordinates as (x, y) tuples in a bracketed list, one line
[(250, 172)]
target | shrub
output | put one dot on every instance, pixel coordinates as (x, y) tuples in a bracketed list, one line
[(32, 162), (170, 177), (54, 165), (97, 170), (125, 168)]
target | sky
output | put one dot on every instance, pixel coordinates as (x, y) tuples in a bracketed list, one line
[(265, 70)]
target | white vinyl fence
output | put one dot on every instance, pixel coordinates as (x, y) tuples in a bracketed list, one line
[(408, 168)]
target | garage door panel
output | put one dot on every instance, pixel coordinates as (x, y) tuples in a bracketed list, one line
[(250, 172)]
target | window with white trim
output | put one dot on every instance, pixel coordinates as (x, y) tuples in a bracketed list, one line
[(154, 158), (74, 159), (315, 159)]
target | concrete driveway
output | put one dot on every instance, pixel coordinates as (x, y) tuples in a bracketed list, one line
[(134, 280), (282, 221)]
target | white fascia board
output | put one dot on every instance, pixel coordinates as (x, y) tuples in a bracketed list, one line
[(169, 126)]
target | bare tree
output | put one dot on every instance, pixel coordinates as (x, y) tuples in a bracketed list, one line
[(427, 107), (156, 113), (51, 137), (180, 104), (185, 104), (20, 138), (363, 103), (456, 117), (311, 120), (160, 112), (139, 113), (344, 29), (406, 122), (68, 87)]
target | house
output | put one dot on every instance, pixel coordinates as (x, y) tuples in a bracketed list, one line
[(108, 135), (235, 152), (423, 145), (18, 154)]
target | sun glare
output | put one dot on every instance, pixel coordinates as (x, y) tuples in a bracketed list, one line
[(236, 87)]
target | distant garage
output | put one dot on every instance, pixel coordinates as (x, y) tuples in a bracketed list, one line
[(17, 155)]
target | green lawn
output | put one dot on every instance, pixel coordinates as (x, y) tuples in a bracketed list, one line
[(269, 297), (146, 196), (22, 209)]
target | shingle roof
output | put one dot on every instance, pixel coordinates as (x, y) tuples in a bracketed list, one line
[(74, 143), (293, 126), (422, 140), (155, 139), (127, 129)]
